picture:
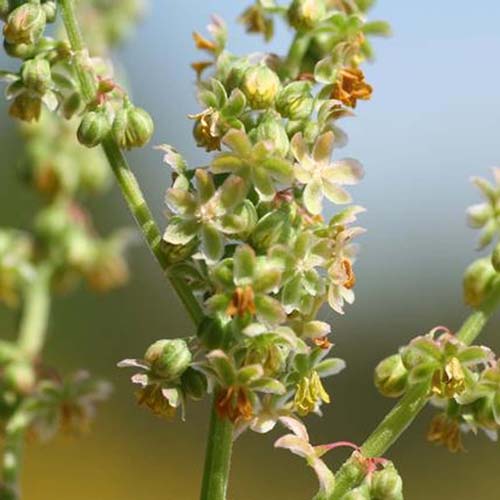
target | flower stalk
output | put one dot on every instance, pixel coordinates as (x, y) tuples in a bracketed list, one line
[(408, 408), (32, 334)]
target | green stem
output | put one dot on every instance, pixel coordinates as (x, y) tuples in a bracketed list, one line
[(33, 326), (220, 435), (296, 54), (124, 175), (217, 458), (32, 333), (407, 409)]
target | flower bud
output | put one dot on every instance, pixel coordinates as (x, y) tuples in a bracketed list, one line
[(36, 75), (387, 484), (495, 258), (360, 493), (235, 74), (194, 383), (20, 376), (26, 107), (212, 333), (391, 376), (295, 101), (50, 9), (272, 131), (93, 129), (4, 9), (260, 86), (25, 24), (132, 127), (478, 279), (168, 358), (20, 50), (306, 14)]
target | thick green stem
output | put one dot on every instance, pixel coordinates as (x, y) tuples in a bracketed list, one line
[(220, 435), (32, 333), (296, 54), (124, 175), (407, 409), (217, 458)]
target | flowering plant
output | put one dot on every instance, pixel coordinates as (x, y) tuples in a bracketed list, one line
[(247, 245)]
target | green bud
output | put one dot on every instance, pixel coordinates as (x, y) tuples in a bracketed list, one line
[(495, 258), (20, 50), (72, 105), (132, 127), (360, 493), (260, 86), (94, 128), (269, 230), (212, 333), (387, 484), (295, 101), (478, 279), (168, 358), (306, 14), (50, 9), (36, 75), (26, 107), (25, 24), (235, 74), (271, 130), (391, 376), (4, 9), (194, 383), (20, 376), (248, 214)]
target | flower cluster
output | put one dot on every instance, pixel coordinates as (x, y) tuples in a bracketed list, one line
[(248, 231), (64, 245), (457, 376)]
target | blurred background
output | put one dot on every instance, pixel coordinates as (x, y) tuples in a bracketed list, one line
[(433, 122)]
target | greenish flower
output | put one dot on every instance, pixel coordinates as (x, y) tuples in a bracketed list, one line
[(244, 285), (239, 385), (302, 283), (486, 216), (160, 376), (68, 405), (209, 214), (223, 113), (446, 363), (258, 164), (320, 176)]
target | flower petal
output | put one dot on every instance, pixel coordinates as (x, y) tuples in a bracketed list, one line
[(180, 231), (347, 171), (323, 148), (238, 141), (335, 193), (313, 197), (212, 243), (244, 265)]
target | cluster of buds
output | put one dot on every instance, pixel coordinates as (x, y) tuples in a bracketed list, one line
[(48, 77), (454, 374)]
